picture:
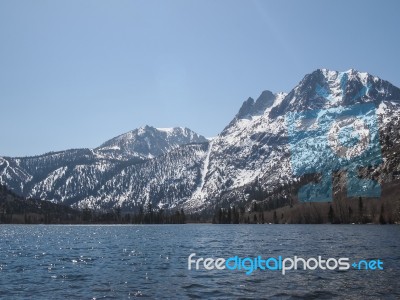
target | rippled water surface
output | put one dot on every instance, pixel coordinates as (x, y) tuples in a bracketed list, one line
[(150, 261)]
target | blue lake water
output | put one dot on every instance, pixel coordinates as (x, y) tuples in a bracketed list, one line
[(151, 261)]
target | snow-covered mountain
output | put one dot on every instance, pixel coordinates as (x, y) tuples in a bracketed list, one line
[(244, 151), (73, 175), (253, 154), (147, 142), (252, 158)]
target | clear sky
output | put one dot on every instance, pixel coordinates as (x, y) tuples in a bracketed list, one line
[(76, 73)]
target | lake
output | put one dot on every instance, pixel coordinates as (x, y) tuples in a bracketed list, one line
[(151, 261)]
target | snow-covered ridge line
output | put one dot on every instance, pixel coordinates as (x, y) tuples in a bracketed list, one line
[(176, 167)]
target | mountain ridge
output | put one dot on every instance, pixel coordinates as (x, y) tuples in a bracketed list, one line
[(176, 167)]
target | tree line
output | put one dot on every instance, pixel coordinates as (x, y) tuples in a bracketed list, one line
[(16, 209), (339, 211), (19, 210), (145, 215)]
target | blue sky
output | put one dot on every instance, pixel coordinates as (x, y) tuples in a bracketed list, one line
[(76, 73)]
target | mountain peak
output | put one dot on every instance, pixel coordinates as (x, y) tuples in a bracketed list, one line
[(265, 100), (147, 142), (246, 108), (253, 108), (168, 129), (324, 88)]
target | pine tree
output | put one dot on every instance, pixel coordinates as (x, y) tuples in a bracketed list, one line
[(381, 216), (183, 217), (360, 210), (275, 218), (350, 213), (331, 214), (220, 216), (229, 217)]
